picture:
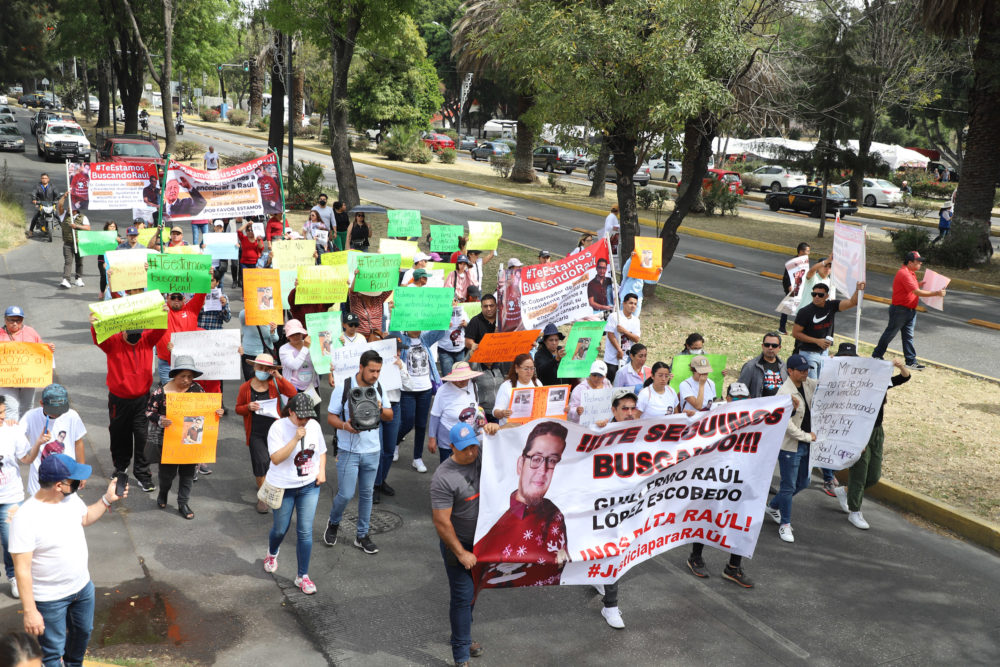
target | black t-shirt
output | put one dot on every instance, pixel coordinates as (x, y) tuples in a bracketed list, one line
[(343, 221), (772, 378), (478, 327), (807, 423), (546, 366), (817, 323)]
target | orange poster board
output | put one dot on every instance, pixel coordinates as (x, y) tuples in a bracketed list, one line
[(194, 429), (647, 258), (528, 403), (262, 296), (499, 347), (25, 365)]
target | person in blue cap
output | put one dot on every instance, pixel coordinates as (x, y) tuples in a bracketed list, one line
[(49, 549)]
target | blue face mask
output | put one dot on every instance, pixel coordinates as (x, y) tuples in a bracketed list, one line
[(262, 375)]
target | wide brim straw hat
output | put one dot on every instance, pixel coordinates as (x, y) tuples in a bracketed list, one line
[(461, 371)]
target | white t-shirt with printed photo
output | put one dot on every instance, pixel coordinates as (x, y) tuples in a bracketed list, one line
[(455, 340), (652, 404), (13, 447), (302, 466), (631, 324), (66, 429)]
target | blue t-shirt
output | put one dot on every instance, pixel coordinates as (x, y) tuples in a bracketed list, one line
[(365, 442)]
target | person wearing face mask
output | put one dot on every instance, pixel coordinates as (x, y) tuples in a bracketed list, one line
[(181, 316), (49, 549), (694, 344), (129, 377), (15, 330), (296, 363), (53, 428)]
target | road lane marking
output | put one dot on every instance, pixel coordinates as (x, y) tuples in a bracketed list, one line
[(466, 202), (709, 260), (985, 323), (542, 220), (500, 210), (381, 180), (406, 187), (768, 274), (434, 194)]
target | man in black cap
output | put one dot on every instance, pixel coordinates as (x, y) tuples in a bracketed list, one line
[(906, 293), (544, 257), (549, 354)]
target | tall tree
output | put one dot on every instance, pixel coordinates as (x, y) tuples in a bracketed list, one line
[(163, 74)]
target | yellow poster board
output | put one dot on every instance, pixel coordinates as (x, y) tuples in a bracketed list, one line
[(262, 296)]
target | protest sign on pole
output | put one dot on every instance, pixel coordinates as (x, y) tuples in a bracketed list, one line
[(292, 254), (324, 329), (500, 347), (405, 249), (605, 500), (484, 235), (582, 346), (321, 284), (347, 359), (221, 245), (933, 282), (444, 238), (95, 243), (262, 296), (25, 364), (422, 308), (120, 185), (377, 273), (849, 257), (647, 258), (189, 274), (216, 352), (126, 268), (680, 366), (796, 268), (403, 223), (596, 404), (248, 189), (135, 311), (194, 428), (527, 403), (845, 405)]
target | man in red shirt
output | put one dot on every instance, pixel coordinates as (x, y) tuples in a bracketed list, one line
[(180, 317), (130, 375), (903, 311)]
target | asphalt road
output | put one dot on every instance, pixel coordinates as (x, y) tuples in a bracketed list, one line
[(897, 594)]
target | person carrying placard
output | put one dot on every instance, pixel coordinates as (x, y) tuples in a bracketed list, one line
[(19, 399), (451, 348), (698, 391), (906, 293), (251, 248), (549, 354), (596, 380), (521, 374), (455, 402), (70, 222), (181, 316), (296, 361)]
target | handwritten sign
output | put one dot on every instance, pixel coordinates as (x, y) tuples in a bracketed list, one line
[(182, 250), (681, 368), (221, 245), (500, 347), (324, 329), (847, 400), (377, 273), (403, 223), (405, 249), (529, 403), (216, 353), (292, 254), (194, 428), (347, 361), (321, 284), (422, 308), (135, 311), (647, 258), (848, 257), (933, 282), (146, 235), (444, 238), (95, 243), (127, 268), (484, 235), (436, 272), (582, 346), (179, 273), (25, 365), (262, 296), (596, 404)]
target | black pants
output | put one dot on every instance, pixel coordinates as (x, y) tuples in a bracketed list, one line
[(698, 547), (610, 595), (103, 273), (167, 473), (612, 372), (127, 428)]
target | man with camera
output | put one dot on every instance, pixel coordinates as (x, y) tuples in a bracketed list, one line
[(357, 406)]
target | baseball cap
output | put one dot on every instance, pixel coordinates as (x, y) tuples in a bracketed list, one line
[(739, 390), (701, 364), (544, 253), (797, 362), (218, 223), (463, 259), (176, 229), (846, 350), (13, 311), (512, 262), (302, 406), (462, 435), (57, 467), (351, 318), (621, 392), (473, 293), (420, 273), (912, 256), (131, 231), (599, 368), (55, 400), (421, 257)]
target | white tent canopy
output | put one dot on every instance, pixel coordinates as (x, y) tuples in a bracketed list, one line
[(896, 157)]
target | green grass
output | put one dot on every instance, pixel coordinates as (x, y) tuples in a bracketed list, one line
[(12, 225)]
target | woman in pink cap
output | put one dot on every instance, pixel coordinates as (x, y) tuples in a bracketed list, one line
[(296, 364)]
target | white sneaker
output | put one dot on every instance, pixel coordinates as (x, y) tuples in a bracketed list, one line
[(841, 494), (613, 616), (13, 588), (395, 454), (858, 520), (774, 514), (65, 283), (599, 588), (418, 465), (79, 282), (785, 532)]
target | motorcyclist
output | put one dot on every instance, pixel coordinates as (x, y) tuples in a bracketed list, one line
[(45, 193), (144, 119), (180, 122)]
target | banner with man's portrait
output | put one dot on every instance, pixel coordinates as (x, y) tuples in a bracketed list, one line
[(249, 189)]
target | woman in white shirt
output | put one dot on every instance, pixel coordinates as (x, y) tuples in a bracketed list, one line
[(657, 399), (522, 374), (596, 380), (698, 391), (298, 465), (635, 373), (455, 401), (296, 363)]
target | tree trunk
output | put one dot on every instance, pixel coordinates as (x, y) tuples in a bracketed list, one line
[(692, 149), (599, 186), (129, 74), (699, 132), (524, 170), (864, 153), (342, 40), (86, 89), (974, 200), (103, 93), (256, 91), (623, 148), (298, 94), (276, 128)]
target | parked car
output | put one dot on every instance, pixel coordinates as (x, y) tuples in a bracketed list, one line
[(437, 142), (641, 177), (730, 178), (128, 148), (8, 120), (466, 142), (11, 139), (775, 178), (550, 158), (489, 148), (876, 192), (62, 139), (92, 100), (3, 99), (7, 112), (662, 170), (32, 100), (36, 121), (375, 134), (809, 198)]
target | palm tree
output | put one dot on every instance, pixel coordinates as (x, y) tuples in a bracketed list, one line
[(979, 19)]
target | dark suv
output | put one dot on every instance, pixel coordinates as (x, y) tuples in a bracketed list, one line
[(551, 158)]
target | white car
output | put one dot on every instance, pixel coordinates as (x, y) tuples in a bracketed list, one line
[(669, 171), (63, 140), (877, 192), (3, 99), (776, 179), (95, 104), (7, 112)]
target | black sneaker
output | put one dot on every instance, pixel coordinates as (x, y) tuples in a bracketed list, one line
[(365, 544), (735, 574), (697, 568), (330, 535), (147, 485), (916, 365), (376, 496), (388, 490)]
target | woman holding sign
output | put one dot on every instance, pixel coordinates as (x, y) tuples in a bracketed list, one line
[(456, 401), (182, 379), (297, 365), (522, 374)]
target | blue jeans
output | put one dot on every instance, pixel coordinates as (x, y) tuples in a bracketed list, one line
[(901, 319), (303, 500), (815, 360), (163, 370), (390, 430), (8, 562), (68, 624), (355, 471), (461, 603), (449, 359), (415, 407), (197, 231), (794, 468)]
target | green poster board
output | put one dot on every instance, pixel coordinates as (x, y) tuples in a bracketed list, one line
[(444, 238), (377, 273), (96, 243), (403, 223), (582, 346), (422, 308), (680, 366), (188, 274), (324, 332)]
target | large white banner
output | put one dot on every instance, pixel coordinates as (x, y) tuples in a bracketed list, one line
[(347, 361), (216, 353), (251, 188), (848, 257), (565, 504), (846, 403)]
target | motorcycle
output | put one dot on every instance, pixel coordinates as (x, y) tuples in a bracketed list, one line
[(46, 219), (180, 127), (144, 123)]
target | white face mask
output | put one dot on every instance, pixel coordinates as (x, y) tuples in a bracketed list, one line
[(696, 351)]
